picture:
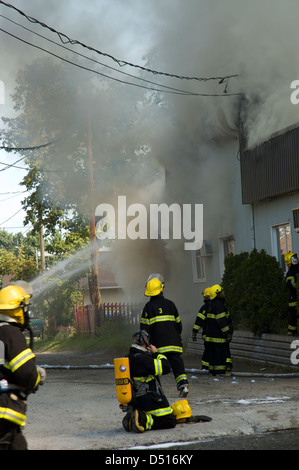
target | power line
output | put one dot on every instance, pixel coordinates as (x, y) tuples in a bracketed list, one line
[(1, 223), (67, 40), (11, 197), (12, 166), (17, 149), (171, 90), (93, 60), (13, 192)]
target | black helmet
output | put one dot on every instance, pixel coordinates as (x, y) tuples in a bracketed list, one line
[(141, 337)]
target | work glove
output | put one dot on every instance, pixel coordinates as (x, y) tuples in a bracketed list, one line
[(194, 336), (42, 374)]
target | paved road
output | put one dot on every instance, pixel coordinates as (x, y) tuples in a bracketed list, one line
[(278, 440), (77, 409)]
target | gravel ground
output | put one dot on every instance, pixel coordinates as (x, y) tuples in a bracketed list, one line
[(76, 409)]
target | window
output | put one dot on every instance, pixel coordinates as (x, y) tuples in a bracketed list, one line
[(281, 242), (227, 246), (199, 269), (296, 219)]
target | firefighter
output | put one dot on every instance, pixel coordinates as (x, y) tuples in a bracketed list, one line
[(200, 324), (160, 318), (149, 408), (19, 376), (291, 260), (218, 333)]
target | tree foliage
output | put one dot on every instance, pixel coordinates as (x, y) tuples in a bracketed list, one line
[(17, 255), (58, 107), (255, 292)]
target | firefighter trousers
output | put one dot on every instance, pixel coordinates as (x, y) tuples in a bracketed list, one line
[(293, 315), (216, 356), (157, 422), (11, 437), (178, 368)]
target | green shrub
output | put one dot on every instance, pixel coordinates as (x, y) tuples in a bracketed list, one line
[(255, 292)]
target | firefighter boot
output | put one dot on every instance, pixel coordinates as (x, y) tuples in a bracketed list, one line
[(127, 422), (135, 420)]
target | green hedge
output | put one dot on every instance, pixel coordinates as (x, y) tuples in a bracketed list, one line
[(255, 292)]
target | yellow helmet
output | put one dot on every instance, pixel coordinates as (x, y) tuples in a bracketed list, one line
[(181, 410), (156, 276), (206, 293), (14, 300), (215, 290), (153, 287), (288, 257)]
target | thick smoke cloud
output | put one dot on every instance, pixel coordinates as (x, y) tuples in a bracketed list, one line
[(256, 40)]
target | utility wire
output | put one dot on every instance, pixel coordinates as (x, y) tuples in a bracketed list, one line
[(13, 192), (11, 197), (17, 149), (90, 58), (66, 40), (11, 166), (1, 223), (181, 92)]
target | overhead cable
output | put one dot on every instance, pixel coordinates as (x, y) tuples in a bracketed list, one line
[(95, 61), (180, 92), (67, 40)]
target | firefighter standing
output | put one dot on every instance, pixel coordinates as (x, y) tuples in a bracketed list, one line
[(19, 376), (149, 408), (160, 318), (200, 324), (218, 333), (291, 260)]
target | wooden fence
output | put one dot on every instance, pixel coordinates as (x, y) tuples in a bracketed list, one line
[(270, 348), (86, 322)]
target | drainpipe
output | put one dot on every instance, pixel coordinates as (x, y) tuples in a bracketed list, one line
[(253, 227)]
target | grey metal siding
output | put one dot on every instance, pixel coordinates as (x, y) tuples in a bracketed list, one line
[(272, 168)]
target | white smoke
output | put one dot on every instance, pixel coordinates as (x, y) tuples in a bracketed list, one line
[(255, 40)]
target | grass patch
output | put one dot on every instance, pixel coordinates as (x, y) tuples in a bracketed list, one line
[(111, 336)]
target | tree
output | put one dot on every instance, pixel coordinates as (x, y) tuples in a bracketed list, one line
[(18, 266), (255, 292), (63, 109)]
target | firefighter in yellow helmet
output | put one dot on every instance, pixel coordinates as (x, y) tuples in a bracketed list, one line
[(161, 319), (291, 260), (200, 324), (149, 408), (19, 376), (218, 333)]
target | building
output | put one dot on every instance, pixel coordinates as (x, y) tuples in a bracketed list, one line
[(252, 201)]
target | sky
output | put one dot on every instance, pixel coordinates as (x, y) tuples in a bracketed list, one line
[(255, 40)]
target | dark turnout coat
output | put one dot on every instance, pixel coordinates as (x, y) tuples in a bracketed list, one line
[(161, 319)]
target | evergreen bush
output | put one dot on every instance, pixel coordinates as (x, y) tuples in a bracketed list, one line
[(255, 292)]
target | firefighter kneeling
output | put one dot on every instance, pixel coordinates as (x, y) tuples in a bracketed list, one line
[(149, 408), (19, 376)]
